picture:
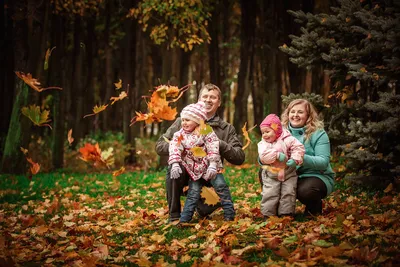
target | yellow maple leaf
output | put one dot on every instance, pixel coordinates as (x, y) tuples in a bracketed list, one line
[(118, 85), (271, 169), (97, 109), (198, 152), (204, 128), (210, 196), (36, 116), (121, 96), (246, 135)]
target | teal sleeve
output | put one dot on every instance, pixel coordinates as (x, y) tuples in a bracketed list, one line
[(322, 152)]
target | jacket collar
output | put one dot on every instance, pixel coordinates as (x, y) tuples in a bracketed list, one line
[(216, 121), (297, 131)]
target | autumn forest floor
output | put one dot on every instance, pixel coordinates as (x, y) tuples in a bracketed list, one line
[(97, 220)]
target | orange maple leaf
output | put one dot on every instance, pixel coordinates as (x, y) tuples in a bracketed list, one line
[(35, 166), (91, 153), (118, 85), (97, 109), (180, 138), (121, 96), (210, 196), (32, 82), (246, 135), (70, 138), (119, 172)]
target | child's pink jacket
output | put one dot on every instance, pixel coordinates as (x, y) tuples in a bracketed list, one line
[(181, 153)]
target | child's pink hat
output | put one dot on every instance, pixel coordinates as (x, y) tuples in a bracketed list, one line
[(272, 121)]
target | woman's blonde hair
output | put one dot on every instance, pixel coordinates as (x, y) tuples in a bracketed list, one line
[(313, 122)]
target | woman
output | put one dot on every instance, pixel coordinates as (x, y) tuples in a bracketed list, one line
[(316, 177)]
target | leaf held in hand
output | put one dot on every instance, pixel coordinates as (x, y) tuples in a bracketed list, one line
[(38, 118), (210, 196), (198, 152)]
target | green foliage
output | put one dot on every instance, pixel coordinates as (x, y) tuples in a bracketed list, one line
[(315, 99), (358, 45), (179, 23)]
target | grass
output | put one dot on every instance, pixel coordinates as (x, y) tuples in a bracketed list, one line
[(95, 219)]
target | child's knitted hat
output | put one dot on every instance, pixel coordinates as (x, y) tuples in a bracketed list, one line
[(195, 112), (272, 121)]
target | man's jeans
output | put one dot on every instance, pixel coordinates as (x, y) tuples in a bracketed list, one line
[(175, 188)]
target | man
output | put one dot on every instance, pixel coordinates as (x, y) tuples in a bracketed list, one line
[(230, 148)]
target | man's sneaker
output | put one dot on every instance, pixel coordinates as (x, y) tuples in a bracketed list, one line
[(173, 220)]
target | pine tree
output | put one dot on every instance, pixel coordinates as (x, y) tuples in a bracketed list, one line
[(359, 45)]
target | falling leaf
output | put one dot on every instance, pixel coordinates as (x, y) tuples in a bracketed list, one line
[(70, 138), (25, 151), (107, 156), (180, 139), (167, 140), (198, 152), (35, 166), (46, 58), (246, 135), (121, 96), (33, 83), (96, 110), (38, 118), (210, 196), (204, 128), (387, 189), (119, 172), (118, 85), (91, 153)]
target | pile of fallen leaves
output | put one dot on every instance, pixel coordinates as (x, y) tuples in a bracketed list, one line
[(100, 219)]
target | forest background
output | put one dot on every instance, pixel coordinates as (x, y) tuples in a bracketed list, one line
[(342, 55)]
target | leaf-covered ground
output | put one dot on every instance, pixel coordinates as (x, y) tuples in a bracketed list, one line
[(97, 220)]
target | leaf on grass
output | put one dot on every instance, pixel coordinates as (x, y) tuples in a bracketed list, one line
[(70, 138), (35, 167), (47, 57), (121, 96), (38, 118), (210, 196), (204, 128), (33, 83), (119, 172), (118, 85), (246, 135), (96, 110), (198, 152)]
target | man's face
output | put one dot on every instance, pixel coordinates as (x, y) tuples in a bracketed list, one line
[(212, 101)]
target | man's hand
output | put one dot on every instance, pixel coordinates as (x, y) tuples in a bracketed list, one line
[(211, 172), (281, 157), (291, 163), (175, 171)]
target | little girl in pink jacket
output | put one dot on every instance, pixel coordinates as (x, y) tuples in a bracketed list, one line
[(279, 153)]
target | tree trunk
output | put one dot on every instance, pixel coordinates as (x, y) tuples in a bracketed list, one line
[(56, 78), (246, 62), (18, 131)]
